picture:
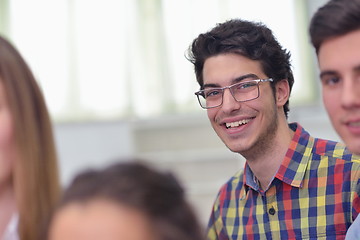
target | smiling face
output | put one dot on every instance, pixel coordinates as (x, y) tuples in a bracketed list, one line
[(245, 127), (339, 62)]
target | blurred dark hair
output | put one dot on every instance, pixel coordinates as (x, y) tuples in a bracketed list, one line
[(335, 18), (252, 40), (158, 194)]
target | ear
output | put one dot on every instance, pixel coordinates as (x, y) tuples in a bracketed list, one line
[(282, 92)]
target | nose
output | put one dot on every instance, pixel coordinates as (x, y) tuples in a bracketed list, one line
[(229, 103), (350, 95)]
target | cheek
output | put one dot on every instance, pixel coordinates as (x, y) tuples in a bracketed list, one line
[(6, 133), (7, 159), (328, 100), (332, 104), (7, 146), (6, 138), (211, 113)]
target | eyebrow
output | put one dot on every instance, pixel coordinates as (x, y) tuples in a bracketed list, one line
[(328, 72), (236, 80), (332, 72)]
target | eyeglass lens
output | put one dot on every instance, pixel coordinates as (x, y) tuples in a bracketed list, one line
[(245, 91)]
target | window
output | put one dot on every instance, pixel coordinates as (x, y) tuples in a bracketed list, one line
[(109, 59)]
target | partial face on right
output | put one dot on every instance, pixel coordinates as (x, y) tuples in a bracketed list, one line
[(339, 62)]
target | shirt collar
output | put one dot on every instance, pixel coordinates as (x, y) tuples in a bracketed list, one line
[(293, 167), (249, 178)]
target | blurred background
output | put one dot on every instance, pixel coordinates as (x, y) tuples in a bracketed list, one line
[(118, 85)]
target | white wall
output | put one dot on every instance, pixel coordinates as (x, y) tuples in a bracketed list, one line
[(83, 145)]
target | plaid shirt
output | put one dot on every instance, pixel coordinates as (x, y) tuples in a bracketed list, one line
[(314, 195)]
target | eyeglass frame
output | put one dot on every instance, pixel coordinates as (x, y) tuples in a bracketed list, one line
[(200, 92)]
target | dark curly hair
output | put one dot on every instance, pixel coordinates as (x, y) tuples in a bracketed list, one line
[(252, 40)]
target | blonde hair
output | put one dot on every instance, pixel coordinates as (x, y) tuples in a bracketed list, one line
[(35, 173)]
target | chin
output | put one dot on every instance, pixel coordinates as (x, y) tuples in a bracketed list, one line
[(235, 149)]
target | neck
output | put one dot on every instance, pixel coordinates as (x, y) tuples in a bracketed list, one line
[(7, 206), (265, 163)]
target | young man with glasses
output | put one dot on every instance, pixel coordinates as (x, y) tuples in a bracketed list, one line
[(293, 186), (335, 35)]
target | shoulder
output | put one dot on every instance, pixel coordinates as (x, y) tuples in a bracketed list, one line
[(321, 147), (334, 150), (235, 183)]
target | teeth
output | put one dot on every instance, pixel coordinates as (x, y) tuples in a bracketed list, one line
[(238, 123)]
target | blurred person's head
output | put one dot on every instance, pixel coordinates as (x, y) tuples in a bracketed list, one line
[(28, 162), (335, 35), (124, 201)]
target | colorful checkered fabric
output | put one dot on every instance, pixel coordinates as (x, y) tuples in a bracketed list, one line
[(314, 195)]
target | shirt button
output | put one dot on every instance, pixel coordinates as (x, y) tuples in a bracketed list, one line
[(272, 211)]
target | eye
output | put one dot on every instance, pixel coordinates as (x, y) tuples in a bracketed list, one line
[(330, 80), (212, 93), (244, 86), (247, 85)]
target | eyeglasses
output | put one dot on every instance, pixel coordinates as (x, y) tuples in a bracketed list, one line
[(242, 92)]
